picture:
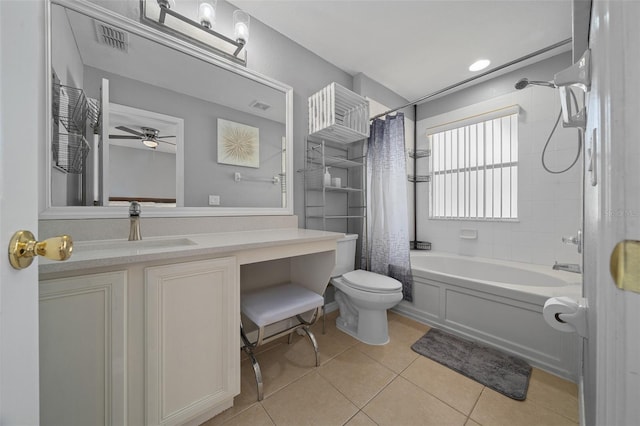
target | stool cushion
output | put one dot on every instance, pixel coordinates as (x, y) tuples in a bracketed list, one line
[(273, 304)]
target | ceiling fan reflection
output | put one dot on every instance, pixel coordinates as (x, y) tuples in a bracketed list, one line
[(149, 136)]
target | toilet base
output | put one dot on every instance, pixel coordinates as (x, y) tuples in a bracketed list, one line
[(353, 332)]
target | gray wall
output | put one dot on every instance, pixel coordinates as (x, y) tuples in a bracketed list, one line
[(374, 90), (67, 64), (274, 55), (277, 56), (549, 205), (501, 85), (141, 173), (203, 175)]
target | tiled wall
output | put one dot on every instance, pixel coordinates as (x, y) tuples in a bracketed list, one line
[(550, 206)]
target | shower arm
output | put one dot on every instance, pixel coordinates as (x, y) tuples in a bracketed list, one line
[(476, 77)]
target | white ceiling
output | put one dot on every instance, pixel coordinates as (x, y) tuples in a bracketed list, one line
[(416, 47)]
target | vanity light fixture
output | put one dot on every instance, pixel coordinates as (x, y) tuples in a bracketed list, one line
[(207, 13), (173, 17), (479, 65), (241, 26)]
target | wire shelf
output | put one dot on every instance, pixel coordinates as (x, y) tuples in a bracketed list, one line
[(419, 153), (70, 107), (419, 178), (69, 152), (420, 245)]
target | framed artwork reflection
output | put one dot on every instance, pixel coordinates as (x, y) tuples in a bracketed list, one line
[(238, 144)]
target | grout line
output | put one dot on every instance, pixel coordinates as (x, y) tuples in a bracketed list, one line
[(268, 415), (474, 406)]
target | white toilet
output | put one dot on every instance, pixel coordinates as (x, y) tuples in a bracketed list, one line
[(362, 296)]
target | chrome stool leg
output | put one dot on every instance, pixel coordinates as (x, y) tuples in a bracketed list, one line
[(312, 338), (248, 348)]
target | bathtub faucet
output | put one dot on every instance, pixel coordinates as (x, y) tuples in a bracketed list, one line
[(569, 267)]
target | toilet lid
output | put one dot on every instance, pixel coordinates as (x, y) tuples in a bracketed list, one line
[(370, 281)]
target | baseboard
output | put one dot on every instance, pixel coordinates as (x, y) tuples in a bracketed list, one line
[(330, 307)]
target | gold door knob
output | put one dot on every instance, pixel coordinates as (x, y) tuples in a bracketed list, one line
[(23, 247), (625, 265)]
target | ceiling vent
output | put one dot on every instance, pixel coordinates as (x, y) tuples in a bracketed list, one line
[(260, 105), (112, 36)]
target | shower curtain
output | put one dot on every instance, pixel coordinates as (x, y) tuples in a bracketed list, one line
[(387, 231)]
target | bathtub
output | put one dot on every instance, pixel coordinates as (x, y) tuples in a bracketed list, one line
[(496, 303)]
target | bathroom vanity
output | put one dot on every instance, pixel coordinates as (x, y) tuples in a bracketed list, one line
[(147, 332)]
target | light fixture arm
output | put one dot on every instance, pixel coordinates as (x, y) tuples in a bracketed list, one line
[(160, 21), (164, 10)]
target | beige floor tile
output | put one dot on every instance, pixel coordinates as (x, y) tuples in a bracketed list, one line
[(405, 329), (403, 403), (247, 398), (395, 355), (360, 419), (309, 401), (451, 387), (280, 366), (471, 423), (554, 393), (254, 416), (330, 344), (357, 376), (496, 409)]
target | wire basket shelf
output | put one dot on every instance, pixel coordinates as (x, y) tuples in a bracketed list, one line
[(69, 107), (70, 152)]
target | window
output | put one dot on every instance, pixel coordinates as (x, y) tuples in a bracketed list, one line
[(474, 167)]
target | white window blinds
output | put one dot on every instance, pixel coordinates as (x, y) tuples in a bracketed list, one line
[(474, 167)]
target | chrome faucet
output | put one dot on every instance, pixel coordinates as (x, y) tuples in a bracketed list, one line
[(569, 267), (134, 216)]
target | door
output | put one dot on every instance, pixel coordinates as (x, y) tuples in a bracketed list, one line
[(612, 214), (22, 131)]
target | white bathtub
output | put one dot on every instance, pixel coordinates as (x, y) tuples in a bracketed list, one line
[(497, 303)]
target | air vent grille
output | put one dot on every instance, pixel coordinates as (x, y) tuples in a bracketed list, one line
[(112, 36), (260, 105)]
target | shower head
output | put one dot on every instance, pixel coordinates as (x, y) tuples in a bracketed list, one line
[(524, 82)]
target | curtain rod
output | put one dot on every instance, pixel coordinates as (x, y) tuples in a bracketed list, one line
[(470, 79)]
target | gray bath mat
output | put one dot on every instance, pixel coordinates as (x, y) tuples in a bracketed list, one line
[(501, 372)]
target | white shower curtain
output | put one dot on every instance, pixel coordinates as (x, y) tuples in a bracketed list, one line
[(387, 212)]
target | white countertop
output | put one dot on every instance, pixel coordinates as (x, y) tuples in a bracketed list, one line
[(107, 253)]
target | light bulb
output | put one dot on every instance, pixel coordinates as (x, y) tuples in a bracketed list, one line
[(150, 143), (207, 13), (241, 25)]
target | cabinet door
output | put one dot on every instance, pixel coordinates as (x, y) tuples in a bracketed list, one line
[(82, 350), (192, 314)]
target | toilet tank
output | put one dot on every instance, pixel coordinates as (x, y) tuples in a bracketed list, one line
[(345, 255)]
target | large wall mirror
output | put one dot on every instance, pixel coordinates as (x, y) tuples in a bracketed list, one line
[(147, 117)]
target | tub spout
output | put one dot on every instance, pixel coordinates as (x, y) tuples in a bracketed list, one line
[(569, 267)]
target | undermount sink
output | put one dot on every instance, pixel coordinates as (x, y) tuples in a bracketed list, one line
[(128, 246)]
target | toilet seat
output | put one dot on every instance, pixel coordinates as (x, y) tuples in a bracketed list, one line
[(371, 282)]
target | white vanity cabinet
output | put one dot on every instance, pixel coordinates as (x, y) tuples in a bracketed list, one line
[(192, 341), (83, 350), (153, 345), (138, 335)]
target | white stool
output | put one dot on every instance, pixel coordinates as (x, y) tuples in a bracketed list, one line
[(274, 304)]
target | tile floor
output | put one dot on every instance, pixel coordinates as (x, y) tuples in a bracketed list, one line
[(357, 384)]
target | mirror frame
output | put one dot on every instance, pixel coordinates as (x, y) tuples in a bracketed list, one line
[(47, 211)]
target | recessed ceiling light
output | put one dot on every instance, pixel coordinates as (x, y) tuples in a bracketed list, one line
[(479, 65)]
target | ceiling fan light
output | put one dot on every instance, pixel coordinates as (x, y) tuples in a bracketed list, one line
[(150, 143)]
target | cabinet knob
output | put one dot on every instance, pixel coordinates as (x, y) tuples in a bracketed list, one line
[(23, 247)]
